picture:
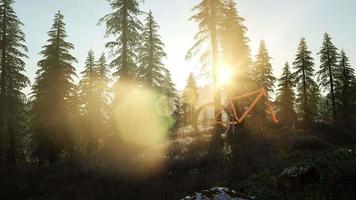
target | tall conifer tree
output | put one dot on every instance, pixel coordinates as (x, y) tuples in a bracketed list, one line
[(89, 98), (286, 97), (190, 98), (209, 16), (345, 89), (123, 24), (94, 100), (263, 68), (263, 77), (53, 96), (12, 81), (306, 86), (235, 49), (103, 80), (152, 72), (326, 74)]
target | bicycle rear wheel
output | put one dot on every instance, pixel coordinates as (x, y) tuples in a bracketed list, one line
[(206, 119)]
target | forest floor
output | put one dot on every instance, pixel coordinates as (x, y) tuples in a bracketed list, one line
[(252, 166)]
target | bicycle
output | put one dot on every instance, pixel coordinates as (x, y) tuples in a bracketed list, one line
[(206, 118)]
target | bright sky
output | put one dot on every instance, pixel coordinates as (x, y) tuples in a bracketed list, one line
[(280, 23)]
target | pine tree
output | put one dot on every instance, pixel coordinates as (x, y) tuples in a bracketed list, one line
[(88, 82), (12, 81), (171, 92), (125, 27), (53, 96), (315, 98), (286, 97), (306, 86), (209, 17), (178, 113), (190, 98), (94, 100), (152, 72), (263, 69), (235, 49), (345, 89), (89, 96), (103, 87), (326, 74), (263, 77)]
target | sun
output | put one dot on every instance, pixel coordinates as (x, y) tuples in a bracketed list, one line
[(224, 76)]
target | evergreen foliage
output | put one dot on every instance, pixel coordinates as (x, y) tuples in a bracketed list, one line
[(326, 74), (190, 98), (54, 94), (62, 118), (263, 77), (103, 80), (285, 97), (306, 86), (345, 89), (93, 101), (152, 72), (208, 15), (12, 82), (235, 49), (124, 25), (263, 69)]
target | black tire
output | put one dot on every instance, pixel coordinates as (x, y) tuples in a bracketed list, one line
[(208, 109)]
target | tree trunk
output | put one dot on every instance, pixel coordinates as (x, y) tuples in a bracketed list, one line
[(332, 89), (11, 153), (150, 68), (125, 70), (3, 100), (214, 45), (305, 103)]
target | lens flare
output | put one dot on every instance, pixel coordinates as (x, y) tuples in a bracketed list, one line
[(142, 118)]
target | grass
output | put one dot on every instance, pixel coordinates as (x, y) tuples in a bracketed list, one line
[(252, 165)]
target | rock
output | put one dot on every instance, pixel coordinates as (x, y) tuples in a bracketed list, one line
[(217, 193)]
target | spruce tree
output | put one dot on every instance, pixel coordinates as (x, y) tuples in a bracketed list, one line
[(152, 72), (235, 49), (326, 74), (171, 92), (53, 96), (89, 98), (263, 69), (190, 99), (209, 16), (103, 80), (263, 77), (88, 82), (315, 99), (345, 89), (285, 97), (12, 81), (306, 86), (123, 25), (94, 100)]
